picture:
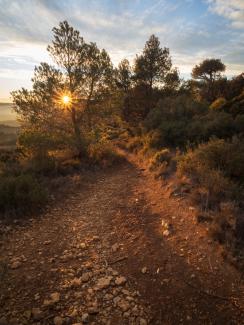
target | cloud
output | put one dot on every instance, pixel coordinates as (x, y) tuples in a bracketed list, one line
[(232, 10), (114, 25), (122, 28)]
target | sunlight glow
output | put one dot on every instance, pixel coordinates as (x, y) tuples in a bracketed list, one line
[(66, 99)]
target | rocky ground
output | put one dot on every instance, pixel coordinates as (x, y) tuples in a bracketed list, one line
[(116, 248)]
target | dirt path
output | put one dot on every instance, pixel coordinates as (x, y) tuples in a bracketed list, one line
[(101, 257)]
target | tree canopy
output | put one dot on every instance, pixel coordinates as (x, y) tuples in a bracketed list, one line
[(153, 65), (208, 70)]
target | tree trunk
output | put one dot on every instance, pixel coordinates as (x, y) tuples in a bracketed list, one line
[(77, 133), (88, 104), (150, 105)]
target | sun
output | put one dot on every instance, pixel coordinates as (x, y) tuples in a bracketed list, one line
[(66, 99)]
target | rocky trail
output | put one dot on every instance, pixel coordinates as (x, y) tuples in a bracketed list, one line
[(116, 248)]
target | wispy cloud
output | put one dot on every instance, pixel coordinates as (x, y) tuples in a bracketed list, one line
[(192, 29), (232, 10)]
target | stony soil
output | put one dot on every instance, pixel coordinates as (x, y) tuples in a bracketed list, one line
[(119, 247)]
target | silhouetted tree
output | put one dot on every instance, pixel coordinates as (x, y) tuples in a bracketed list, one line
[(235, 86), (98, 75), (209, 71), (37, 107), (123, 79), (152, 66), (172, 81), (124, 75), (69, 51), (84, 73)]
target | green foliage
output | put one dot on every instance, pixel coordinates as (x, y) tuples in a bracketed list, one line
[(218, 124), (171, 118), (123, 75), (85, 75), (209, 73), (10, 162), (103, 154), (36, 144), (216, 166), (8, 136), (153, 65), (235, 106), (234, 86), (21, 194), (181, 120), (208, 70), (42, 165)]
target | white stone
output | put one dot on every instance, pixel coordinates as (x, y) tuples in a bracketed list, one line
[(120, 280), (103, 283)]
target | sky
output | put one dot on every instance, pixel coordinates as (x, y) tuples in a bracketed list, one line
[(192, 29)]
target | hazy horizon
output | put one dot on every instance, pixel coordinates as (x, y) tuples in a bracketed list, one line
[(6, 113)]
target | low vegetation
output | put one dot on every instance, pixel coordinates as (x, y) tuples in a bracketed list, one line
[(21, 194), (8, 136)]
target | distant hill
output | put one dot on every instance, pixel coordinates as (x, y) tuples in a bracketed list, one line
[(7, 116), (8, 136), (7, 129), (12, 123)]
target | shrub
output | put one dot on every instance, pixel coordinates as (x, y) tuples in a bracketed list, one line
[(218, 103), (35, 143), (43, 165), (102, 153), (172, 118), (69, 166), (72, 163), (161, 157), (218, 154), (179, 108), (216, 166), (9, 162), (135, 143), (21, 194), (219, 124), (224, 227), (239, 124), (180, 120)]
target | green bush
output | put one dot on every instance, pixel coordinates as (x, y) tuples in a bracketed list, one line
[(103, 154), (218, 124), (35, 143), (178, 108), (171, 118), (217, 166), (21, 194), (181, 120), (43, 165), (9, 162)]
